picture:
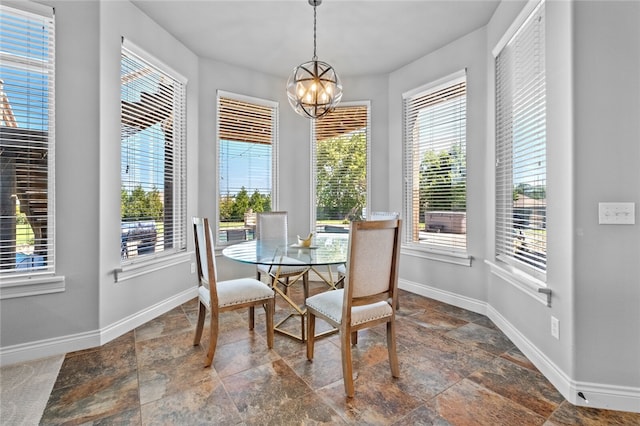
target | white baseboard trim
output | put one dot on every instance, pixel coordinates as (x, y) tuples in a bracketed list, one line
[(610, 397), (443, 296), (30, 351), (127, 324)]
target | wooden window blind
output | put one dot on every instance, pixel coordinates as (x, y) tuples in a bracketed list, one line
[(521, 232), (27, 140), (435, 118), (153, 157)]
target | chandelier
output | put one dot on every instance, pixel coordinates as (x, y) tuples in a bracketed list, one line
[(314, 88)]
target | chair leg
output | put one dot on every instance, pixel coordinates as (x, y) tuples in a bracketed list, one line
[(202, 312), (270, 308), (391, 347), (347, 367), (305, 285), (252, 317), (354, 337), (311, 332), (213, 340)]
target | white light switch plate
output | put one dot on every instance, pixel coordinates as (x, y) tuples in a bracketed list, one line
[(616, 213)]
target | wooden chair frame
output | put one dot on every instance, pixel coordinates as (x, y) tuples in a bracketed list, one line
[(210, 281), (348, 331)]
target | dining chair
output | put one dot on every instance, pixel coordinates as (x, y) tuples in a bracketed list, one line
[(273, 226), (369, 295), (342, 268), (222, 296)]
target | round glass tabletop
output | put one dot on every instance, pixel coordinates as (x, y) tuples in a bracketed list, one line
[(325, 249)]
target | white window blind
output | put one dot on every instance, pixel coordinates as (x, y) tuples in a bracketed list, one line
[(27, 129), (247, 136), (153, 159), (435, 172), (521, 233), (340, 165)]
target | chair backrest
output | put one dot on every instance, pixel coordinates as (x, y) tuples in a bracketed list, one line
[(372, 265), (205, 256), (272, 226)]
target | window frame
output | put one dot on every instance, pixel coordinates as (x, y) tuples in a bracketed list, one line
[(313, 161), (446, 253), (178, 236), (37, 280), (527, 273), (275, 135)]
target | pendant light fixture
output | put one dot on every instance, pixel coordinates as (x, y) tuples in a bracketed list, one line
[(314, 88)]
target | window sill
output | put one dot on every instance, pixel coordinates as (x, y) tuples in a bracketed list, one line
[(31, 286), (522, 281), (457, 258), (133, 270)]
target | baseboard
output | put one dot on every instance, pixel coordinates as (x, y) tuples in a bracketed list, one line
[(598, 395), (127, 324), (443, 296), (30, 351)]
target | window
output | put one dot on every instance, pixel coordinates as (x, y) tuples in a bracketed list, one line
[(27, 225), (247, 137), (340, 161), (435, 164), (153, 175), (521, 233)]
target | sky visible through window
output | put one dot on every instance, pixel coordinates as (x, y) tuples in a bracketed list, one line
[(24, 56), (245, 164)]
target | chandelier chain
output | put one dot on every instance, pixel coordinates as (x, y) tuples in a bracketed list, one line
[(315, 57)]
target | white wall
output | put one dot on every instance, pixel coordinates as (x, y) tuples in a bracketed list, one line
[(94, 308), (32, 322), (123, 299), (593, 270), (460, 282), (607, 146), (519, 308), (294, 150), (593, 78)]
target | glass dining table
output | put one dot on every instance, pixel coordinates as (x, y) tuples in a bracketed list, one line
[(326, 250)]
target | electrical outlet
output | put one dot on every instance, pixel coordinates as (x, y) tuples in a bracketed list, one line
[(555, 327), (193, 267)]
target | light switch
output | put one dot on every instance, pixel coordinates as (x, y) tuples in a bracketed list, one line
[(616, 213)]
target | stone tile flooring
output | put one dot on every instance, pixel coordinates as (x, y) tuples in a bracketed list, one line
[(457, 368)]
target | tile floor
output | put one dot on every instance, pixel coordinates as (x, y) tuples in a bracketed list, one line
[(457, 369)]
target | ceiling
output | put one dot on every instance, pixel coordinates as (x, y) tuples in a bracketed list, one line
[(357, 37)]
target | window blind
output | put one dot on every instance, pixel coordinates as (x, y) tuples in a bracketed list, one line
[(340, 166), (27, 140), (521, 232), (153, 161), (247, 135), (435, 164)]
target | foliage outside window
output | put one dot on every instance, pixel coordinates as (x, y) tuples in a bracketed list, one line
[(340, 165), (521, 208), (435, 168), (247, 136), (153, 139), (27, 184)]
